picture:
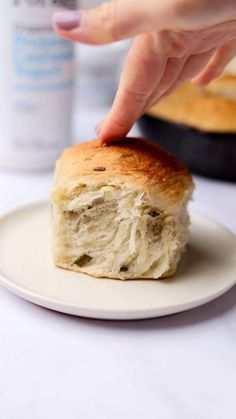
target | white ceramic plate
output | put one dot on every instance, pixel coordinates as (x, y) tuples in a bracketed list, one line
[(207, 270)]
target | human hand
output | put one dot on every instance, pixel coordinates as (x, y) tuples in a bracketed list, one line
[(174, 41)]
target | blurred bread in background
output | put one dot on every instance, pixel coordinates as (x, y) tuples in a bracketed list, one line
[(211, 108), (198, 125)]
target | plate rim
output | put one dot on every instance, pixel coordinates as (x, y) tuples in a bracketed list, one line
[(107, 314)]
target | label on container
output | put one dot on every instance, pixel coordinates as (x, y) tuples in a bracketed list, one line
[(36, 84)]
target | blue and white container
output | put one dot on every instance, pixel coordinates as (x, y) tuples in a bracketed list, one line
[(36, 85)]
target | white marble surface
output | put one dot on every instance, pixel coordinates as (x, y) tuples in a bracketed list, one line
[(53, 366)]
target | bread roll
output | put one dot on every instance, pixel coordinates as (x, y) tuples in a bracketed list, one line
[(120, 211), (211, 108)]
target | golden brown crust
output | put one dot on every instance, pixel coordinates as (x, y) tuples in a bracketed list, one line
[(210, 109), (131, 160)]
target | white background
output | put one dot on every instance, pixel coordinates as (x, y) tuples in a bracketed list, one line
[(54, 366)]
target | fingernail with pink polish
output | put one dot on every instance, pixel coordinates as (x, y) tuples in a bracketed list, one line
[(67, 20)]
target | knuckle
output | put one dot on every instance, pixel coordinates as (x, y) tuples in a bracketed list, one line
[(154, 48), (148, 60), (175, 44), (146, 50), (134, 95), (108, 20), (122, 126)]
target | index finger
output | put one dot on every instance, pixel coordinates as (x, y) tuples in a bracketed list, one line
[(143, 69)]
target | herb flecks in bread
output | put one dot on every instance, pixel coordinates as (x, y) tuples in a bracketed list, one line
[(128, 218)]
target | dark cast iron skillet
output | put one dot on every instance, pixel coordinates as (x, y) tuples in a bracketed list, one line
[(208, 154)]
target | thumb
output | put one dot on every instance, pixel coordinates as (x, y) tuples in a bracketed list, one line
[(112, 21)]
